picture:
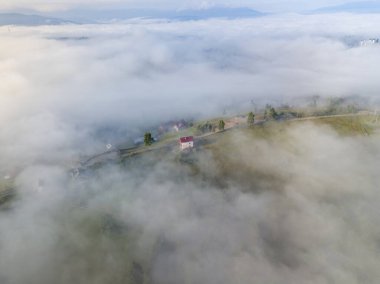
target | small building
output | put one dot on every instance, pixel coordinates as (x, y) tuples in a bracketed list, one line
[(186, 143), (176, 128), (370, 42)]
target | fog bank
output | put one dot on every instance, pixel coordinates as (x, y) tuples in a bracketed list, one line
[(300, 209)]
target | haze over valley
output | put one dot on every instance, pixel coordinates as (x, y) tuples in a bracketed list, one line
[(189, 143)]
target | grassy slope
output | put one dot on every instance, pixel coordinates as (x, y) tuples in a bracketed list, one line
[(220, 161), (227, 165), (356, 125), (6, 190), (227, 148)]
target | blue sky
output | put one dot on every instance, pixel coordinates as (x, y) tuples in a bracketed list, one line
[(263, 5)]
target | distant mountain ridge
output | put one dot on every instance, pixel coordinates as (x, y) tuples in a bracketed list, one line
[(29, 20), (353, 7), (93, 16), (217, 12), (101, 16)]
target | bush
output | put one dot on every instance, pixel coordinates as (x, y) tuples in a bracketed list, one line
[(251, 119), (148, 139)]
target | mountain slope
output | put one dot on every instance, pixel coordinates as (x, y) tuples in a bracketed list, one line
[(353, 7), (216, 13), (29, 20), (93, 16)]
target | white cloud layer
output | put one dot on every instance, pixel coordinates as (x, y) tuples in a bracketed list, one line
[(297, 212), (316, 222), (69, 81)]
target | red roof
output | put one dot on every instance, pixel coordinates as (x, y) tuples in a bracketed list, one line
[(186, 139)]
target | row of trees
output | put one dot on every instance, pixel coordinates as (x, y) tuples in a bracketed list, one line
[(209, 127), (202, 128), (269, 113), (205, 128)]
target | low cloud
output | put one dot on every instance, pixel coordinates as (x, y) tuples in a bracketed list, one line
[(79, 79), (298, 209)]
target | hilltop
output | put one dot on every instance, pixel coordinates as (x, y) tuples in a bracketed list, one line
[(222, 144), (352, 7), (129, 204)]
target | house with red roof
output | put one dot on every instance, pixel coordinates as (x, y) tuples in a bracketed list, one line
[(186, 142)]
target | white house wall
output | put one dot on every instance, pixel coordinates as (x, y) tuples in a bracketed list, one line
[(187, 145)]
